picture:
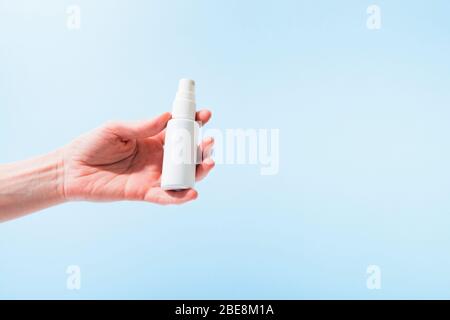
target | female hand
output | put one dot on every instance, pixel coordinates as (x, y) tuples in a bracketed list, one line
[(123, 161)]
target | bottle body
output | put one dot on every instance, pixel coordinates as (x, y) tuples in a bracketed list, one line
[(180, 154)]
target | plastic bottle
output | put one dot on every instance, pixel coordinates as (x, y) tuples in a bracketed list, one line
[(180, 148)]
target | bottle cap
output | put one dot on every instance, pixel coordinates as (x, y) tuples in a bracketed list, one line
[(184, 104)]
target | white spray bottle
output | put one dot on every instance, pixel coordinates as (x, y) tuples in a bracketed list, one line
[(180, 147)]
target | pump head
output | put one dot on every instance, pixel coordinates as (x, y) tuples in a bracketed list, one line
[(184, 104)]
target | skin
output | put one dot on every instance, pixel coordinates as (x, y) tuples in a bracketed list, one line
[(118, 161)]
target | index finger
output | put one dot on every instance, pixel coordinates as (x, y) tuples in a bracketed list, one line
[(203, 116)]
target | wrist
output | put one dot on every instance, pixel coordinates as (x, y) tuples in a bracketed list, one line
[(31, 185), (58, 184), (44, 176)]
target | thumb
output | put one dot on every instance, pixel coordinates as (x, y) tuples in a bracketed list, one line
[(140, 129)]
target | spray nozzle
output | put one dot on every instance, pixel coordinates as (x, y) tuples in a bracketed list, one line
[(184, 103)]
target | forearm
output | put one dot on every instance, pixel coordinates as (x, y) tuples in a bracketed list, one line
[(31, 185)]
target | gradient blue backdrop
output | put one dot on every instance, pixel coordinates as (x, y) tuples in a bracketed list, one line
[(364, 151)]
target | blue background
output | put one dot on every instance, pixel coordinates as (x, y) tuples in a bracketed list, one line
[(364, 147)]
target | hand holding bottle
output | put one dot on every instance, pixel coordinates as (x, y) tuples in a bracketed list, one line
[(118, 161), (123, 161)]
